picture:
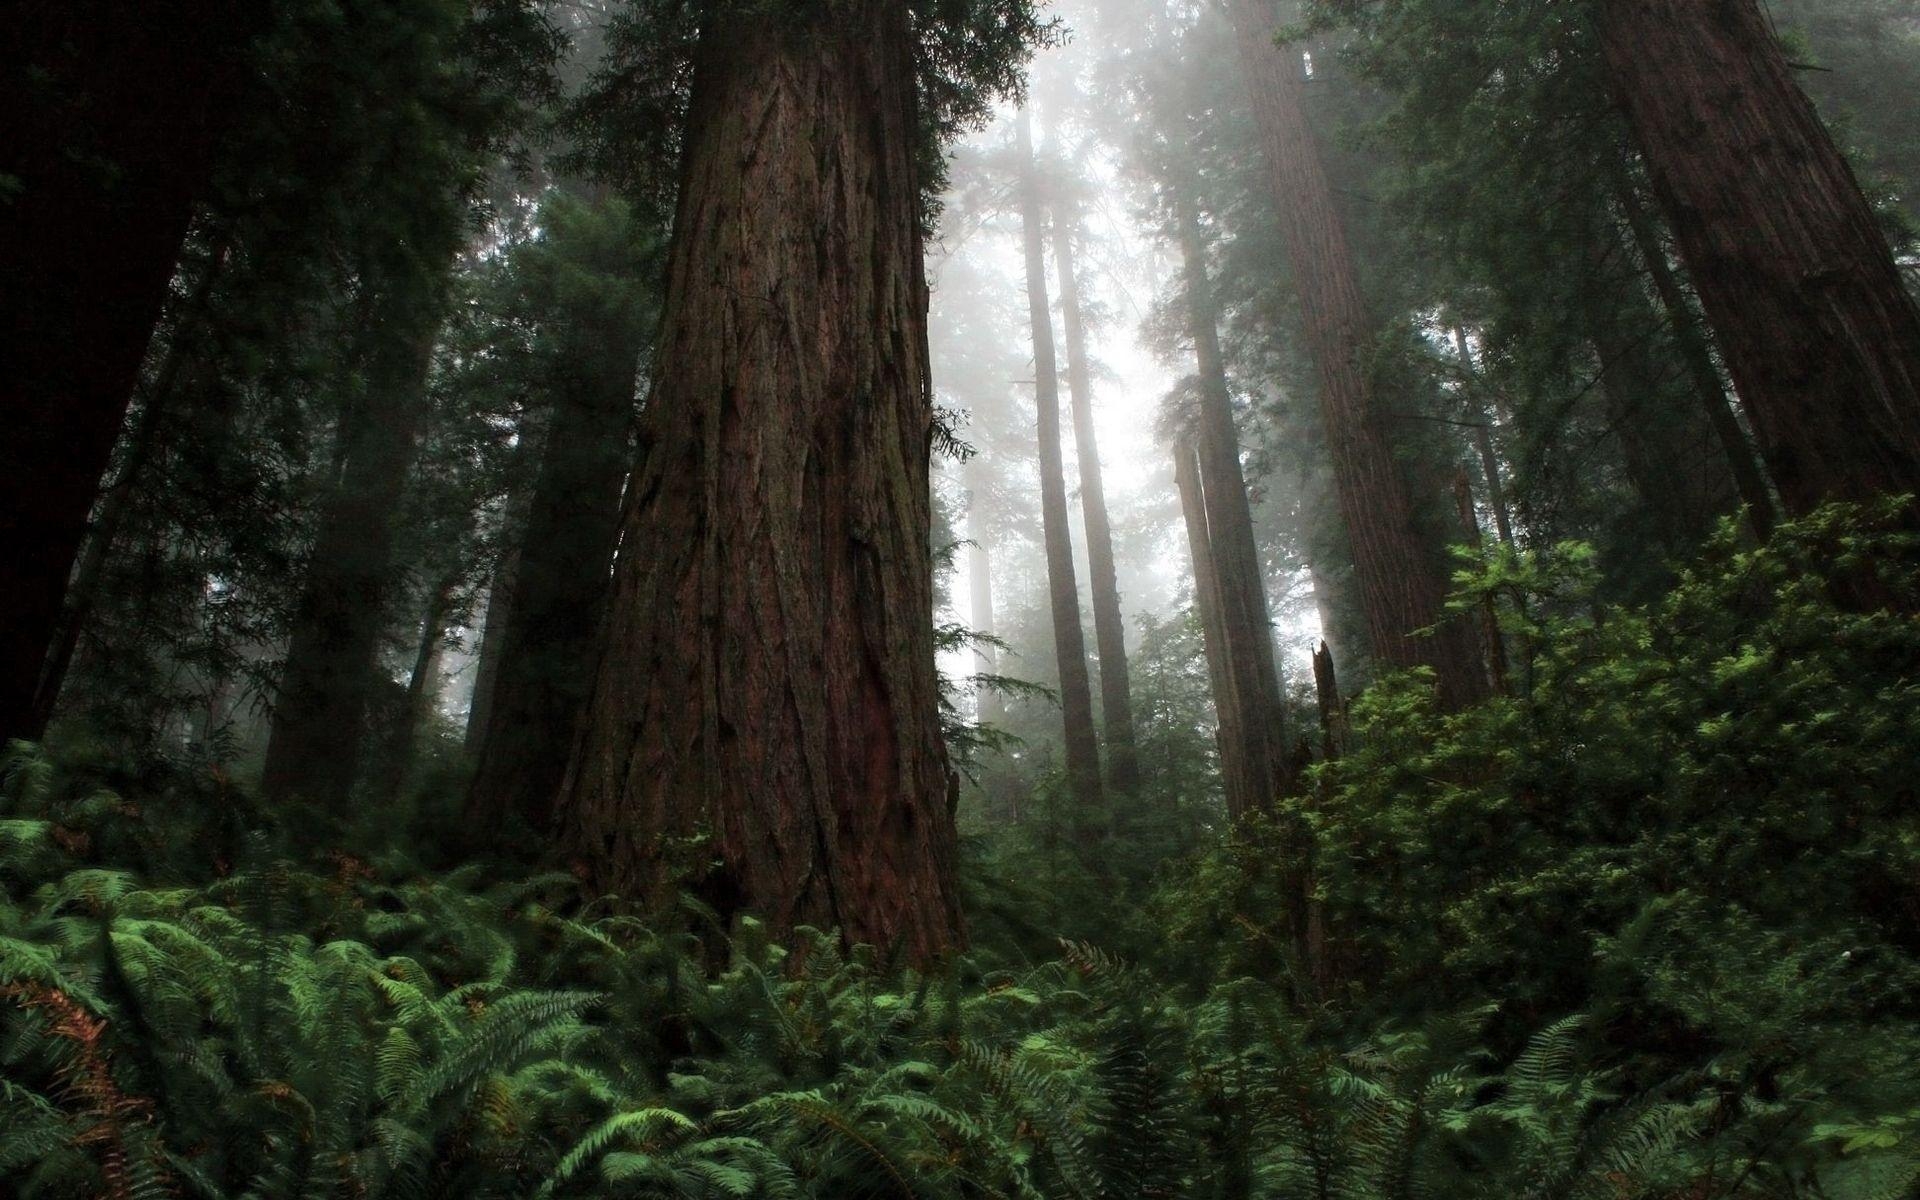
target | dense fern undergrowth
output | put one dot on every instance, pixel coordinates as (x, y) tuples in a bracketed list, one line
[(1645, 928)]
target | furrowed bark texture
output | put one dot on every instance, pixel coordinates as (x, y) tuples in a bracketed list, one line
[(763, 726), (1402, 587), (1792, 271), (1109, 624), (331, 676), (113, 114), (1063, 589), (559, 589), (1260, 770)]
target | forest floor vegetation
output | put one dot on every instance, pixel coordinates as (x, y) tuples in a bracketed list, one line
[(1646, 927)]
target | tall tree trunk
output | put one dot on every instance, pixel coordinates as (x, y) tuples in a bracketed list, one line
[(559, 591), (1239, 583), (1402, 587), (1063, 590), (1493, 642), (1792, 271), (764, 723), (113, 117), (1109, 624), (142, 439), (1244, 793), (1326, 608), (423, 684), (534, 428), (1333, 709), (493, 640), (1702, 375), (1673, 458), (987, 706), (1483, 431), (329, 681)]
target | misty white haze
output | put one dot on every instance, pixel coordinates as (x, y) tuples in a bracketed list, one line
[(976, 272)]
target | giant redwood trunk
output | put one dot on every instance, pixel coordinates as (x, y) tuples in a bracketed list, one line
[(1794, 276), (1063, 589), (558, 591), (330, 681), (1109, 625), (1402, 587), (112, 118), (763, 727), (1256, 765)]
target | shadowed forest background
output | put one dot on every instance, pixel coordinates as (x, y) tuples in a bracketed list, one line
[(960, 598)]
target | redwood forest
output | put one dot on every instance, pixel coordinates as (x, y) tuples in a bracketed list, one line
[(951, 599)]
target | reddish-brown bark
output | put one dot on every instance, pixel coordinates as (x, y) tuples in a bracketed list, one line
[(1402, 586), (1063, 588), (1793, 273), (763, 727)]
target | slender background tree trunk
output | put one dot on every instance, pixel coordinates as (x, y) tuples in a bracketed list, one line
[(987, 706), (559, 586), (1702, 375), (1244, 793), (423, 686), (1483, 431), (1063, 590), (493, 637), (333, 658), (1253, 691), (1109, 623)]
